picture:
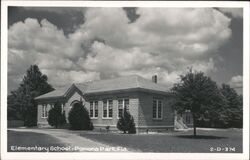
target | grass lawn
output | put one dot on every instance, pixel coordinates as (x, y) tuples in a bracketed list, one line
[(29, 139), (176, 141)]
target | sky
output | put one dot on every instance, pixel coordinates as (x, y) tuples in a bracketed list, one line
[(75, 45)]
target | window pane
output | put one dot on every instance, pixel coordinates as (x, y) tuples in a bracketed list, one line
[(120, 104), (110, 108), (154, 108), (91, 113), (91, 105), (105, 113), (91, 109), (159, 109), (96, 108), (120, 111), (104, 108), (45, 111)]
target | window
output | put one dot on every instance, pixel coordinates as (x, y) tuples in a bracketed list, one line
[(122, 103), (93, 109), (110, 102), (96, 109), (107, 109), (157, 109), (44, 111), (120, 107)]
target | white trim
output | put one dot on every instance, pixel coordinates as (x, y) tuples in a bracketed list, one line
[(93, 105), (123, 105), (107, 100), (157, 110), (44, 111)]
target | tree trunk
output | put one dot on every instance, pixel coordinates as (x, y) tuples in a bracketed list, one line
[(194, 131), (194, 124)]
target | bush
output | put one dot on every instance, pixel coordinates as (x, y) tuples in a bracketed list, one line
[(79, 118), (126, 123), (56, 117)]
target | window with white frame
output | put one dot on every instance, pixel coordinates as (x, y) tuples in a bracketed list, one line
[(44, 111), (96, 109), (93, 109), (157, 109), (107, 109), (122, 103)]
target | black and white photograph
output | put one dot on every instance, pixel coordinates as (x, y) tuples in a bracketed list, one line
[(86, 79)]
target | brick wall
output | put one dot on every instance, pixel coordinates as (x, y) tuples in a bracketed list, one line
[(101, 122), (145, 117), (140, 107)]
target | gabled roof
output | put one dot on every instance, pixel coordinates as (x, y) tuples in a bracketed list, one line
[(109, 85), (58, 92)]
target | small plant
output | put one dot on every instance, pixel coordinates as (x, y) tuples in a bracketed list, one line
[(126, 123), (79, 118), (56, 117), (107, 128)]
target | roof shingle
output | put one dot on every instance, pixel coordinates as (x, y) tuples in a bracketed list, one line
[(115, 84)]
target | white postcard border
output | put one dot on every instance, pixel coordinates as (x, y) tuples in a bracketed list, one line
[(110, 156)]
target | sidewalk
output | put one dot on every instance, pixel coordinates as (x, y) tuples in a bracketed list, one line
[(67, 138)]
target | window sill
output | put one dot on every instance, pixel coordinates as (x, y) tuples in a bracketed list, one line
[(44, 117), (157, 119), (93, 117), (107, 118)]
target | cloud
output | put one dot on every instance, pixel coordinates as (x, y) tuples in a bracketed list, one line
[(160, 41), (234, 12), (236, 81)]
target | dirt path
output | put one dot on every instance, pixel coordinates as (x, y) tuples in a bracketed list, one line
[(68, 138)]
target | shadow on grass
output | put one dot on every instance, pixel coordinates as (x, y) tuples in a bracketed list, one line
[(200, 137)]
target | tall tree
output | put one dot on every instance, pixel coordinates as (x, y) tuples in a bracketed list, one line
[(234, 108), (199, 94), (34, 83)]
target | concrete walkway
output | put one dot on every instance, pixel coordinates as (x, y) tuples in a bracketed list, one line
[(68, 138)]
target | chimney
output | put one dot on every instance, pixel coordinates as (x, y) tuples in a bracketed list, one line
[(154, 78)]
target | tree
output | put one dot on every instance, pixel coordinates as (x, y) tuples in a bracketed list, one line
[(56, 117), (126, 123), (199, 94), (34, 83), (79, 118), (234, 110)]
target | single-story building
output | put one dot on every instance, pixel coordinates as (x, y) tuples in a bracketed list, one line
[(147, 101)]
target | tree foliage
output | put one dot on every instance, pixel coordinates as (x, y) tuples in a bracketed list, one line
[(234, 110), (199, 94), (79, 118), (126, 123), (56, 116), (21, 100)]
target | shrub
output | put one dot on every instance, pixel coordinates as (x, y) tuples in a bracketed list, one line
[(126, 123), (79, 118), (63, 118), (56, 117)]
